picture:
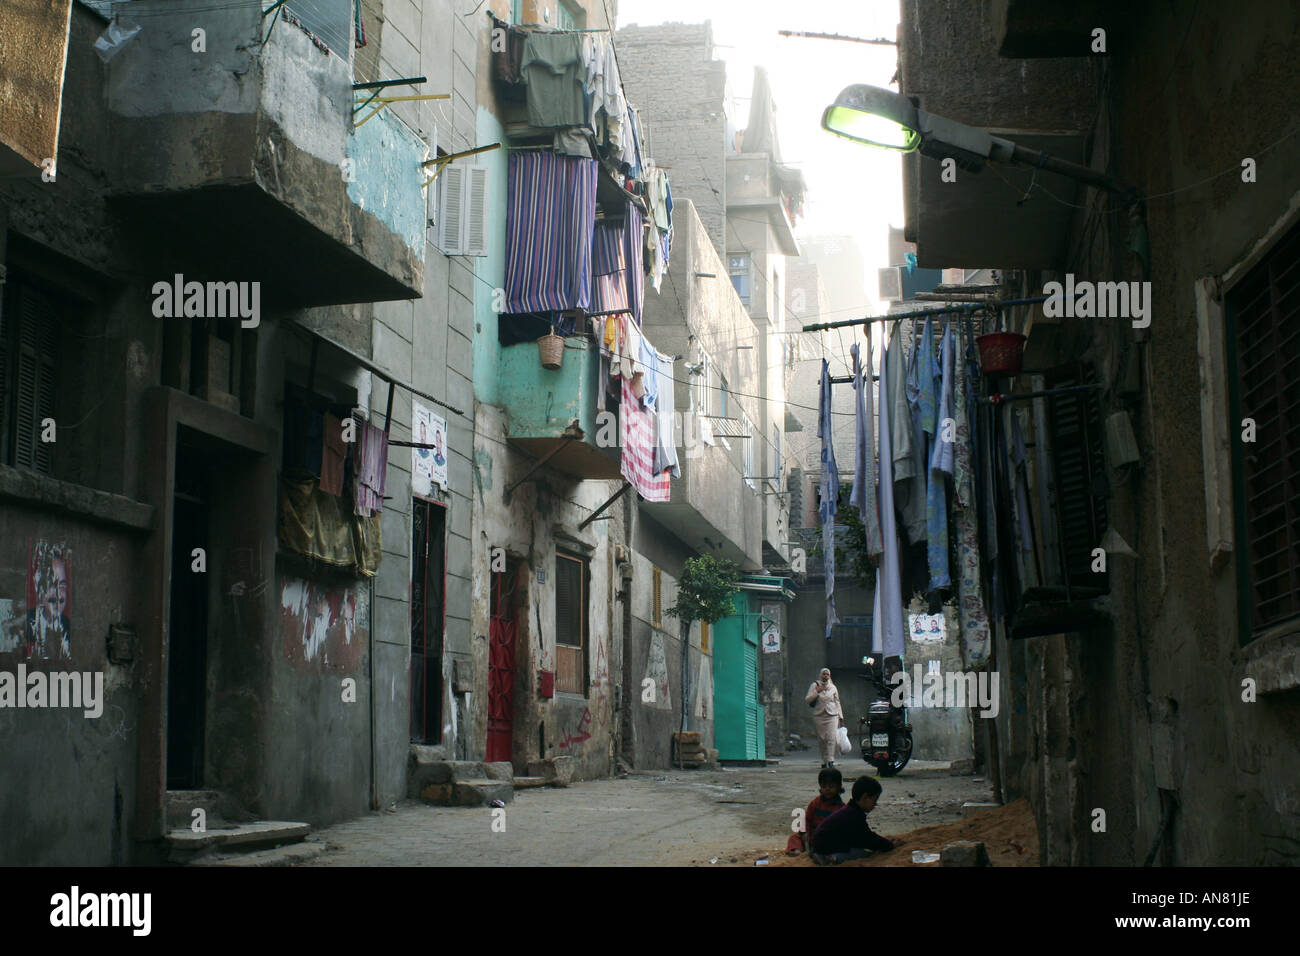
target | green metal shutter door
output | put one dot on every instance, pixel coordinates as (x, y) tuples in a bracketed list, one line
[(751, 702)]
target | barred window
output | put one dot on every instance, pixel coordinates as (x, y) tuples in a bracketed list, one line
[(1262, 329)]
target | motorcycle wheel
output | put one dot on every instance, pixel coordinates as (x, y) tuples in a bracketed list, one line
[(901, 756)]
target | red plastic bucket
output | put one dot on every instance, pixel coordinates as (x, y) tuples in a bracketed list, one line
[(1000, 352)]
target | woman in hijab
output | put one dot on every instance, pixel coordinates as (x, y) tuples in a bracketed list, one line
[(824, 698)]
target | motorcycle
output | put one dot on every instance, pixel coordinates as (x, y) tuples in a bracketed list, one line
[(885, 735)]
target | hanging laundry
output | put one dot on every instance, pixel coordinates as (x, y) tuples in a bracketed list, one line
[(887, 631), (550, 218), (507, 59), (639, 430), (936, 501), (650, 362), (666, 413), (573, 141), (863, 494), (970, 597), (553, 70), (906, 458), (830, 487), (633, 225), (334, 453), (372, 470)]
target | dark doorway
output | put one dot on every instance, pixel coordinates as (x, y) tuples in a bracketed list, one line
[(428, 561), (187, 634), (501, 664)]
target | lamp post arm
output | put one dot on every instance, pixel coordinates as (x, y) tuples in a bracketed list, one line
[(1022, 155)]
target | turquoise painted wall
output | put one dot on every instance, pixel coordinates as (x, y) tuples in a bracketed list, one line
[(490, 269), (387, 179)]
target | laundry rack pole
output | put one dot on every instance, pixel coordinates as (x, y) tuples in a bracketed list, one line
[(922, 313)]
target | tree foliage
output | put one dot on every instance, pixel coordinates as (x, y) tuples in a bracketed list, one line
[(704, 589)]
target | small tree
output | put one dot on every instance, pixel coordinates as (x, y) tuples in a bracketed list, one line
[(704, 593)]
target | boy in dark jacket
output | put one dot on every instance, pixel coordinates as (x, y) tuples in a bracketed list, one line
[(830, 783), (845, 835)]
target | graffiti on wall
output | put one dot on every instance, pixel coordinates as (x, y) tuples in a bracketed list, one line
[(656, 670), (570, 740), (325, 626), (39, 628), (600, 686)]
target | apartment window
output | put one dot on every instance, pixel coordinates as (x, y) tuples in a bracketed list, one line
[(570, 623), (722, 396), (1074, 420), (700, 395), (570, 16), (657, 611), (1262, 329), (29, 342), (739, 269)]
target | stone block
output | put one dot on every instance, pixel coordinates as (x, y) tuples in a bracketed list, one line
[(556, 771), (437, 793), (971, 807), (964, 853), (478, 793), (500, 770)]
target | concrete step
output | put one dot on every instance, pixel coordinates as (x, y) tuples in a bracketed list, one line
[(181, 804), (184, 844), (424, 771), (468, 793), (523, 783), (290, 855)]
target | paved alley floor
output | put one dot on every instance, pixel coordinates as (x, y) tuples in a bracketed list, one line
[(655, 818)]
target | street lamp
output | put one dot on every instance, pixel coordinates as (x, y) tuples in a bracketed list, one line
[(883, 118)]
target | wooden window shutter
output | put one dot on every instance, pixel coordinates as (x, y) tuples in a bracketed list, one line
[(451, 210), (570, 624), (37, 341), (1081, 487), (476, 230)]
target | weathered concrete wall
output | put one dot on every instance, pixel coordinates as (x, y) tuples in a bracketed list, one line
[(1165, 676), (670, 75), (32, 62), (541, 515), (69, 786), (938, 733), (655, 648), (712, 484)]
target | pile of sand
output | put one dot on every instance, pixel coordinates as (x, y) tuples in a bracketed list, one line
[(1010, 834)]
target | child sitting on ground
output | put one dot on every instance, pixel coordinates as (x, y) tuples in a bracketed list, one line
[(831, 784), (846, 836)]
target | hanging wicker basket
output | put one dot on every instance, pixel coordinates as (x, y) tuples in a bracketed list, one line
[(1000, 352), (551, 347)]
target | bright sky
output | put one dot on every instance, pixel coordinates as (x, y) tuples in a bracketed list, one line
[(854, 190)]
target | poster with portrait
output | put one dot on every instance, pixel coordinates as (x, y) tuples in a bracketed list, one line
[(47, 628), (428, 465), (771, 637)]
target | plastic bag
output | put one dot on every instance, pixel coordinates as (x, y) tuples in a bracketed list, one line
[(113, 39), (842, 738)]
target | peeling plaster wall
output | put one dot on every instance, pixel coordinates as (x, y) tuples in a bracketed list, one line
[(543, 513)]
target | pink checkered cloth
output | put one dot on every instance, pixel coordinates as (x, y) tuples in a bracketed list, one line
[(637, 460)]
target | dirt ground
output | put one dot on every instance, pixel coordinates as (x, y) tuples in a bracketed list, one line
[(1009, 834)]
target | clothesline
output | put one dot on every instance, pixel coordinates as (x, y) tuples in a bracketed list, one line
[(923, 313)]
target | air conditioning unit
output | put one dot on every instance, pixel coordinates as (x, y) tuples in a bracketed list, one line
[(890, 284)]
